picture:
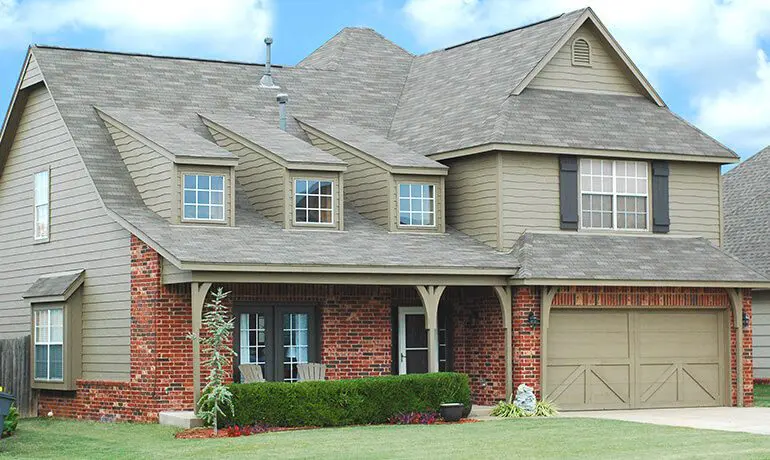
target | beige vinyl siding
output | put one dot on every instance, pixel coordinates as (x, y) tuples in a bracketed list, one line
[(471, 197), (694, 200), (530, 194), (32, 74), (150, 170), (366, 185), (606, 73), (262, 179), (760, 320), (81, 236)]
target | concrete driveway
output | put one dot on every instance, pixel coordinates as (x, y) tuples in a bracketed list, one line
[(746, 419)]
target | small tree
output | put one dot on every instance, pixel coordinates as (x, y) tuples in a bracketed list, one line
[(218, 326)]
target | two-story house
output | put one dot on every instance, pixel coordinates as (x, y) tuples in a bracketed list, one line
[(523, 208)]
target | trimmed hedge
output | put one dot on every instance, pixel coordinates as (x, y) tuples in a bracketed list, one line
[(344, 402)]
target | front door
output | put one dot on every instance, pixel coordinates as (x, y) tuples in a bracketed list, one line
[(277, 338), (413, 341)]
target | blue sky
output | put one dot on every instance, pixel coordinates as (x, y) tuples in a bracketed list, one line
[(707, 58)]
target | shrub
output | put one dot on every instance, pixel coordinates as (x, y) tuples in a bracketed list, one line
[(511, 410), (10, 423), (344, 402)]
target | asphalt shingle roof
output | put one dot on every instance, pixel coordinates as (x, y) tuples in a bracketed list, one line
[(171, 136), (581, 256), (391, 101), (374, 144), (747, 212), (53, 285), (289, 148)]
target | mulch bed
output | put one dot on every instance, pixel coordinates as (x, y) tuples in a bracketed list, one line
[(206, 433)]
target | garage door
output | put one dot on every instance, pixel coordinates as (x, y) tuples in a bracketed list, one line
[(621, 359)]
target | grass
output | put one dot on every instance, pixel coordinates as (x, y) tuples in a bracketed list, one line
[(528, 438), (762, 395)]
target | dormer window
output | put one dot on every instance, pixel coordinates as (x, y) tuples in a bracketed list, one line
[(313, 201), (416, 205), (203, 198), (581, 52)]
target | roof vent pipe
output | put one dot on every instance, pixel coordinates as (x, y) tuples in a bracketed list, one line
[(282, 99), (267, 79)]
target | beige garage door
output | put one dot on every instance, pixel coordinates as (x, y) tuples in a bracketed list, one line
[(600, 359)]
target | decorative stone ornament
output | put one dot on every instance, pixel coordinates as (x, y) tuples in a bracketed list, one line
[(525, 398)]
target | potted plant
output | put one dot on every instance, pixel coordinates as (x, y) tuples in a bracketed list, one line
[(452, 412)]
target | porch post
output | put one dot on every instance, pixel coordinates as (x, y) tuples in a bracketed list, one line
[(199, 291), (504, 296), (546, 299), (736, 301), (430, 296)]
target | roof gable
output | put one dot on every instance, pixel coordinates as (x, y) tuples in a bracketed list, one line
[(587, 16)]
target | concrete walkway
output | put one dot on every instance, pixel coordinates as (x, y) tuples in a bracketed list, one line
[(745, 419)]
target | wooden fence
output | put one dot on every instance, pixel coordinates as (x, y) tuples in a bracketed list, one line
[(14, 373)]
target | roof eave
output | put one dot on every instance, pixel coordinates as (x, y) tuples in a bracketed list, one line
[(640, 283)]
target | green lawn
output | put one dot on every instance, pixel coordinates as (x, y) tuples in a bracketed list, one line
[(529, 438), (762, 395)]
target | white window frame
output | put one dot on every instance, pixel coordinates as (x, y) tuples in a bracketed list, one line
[(48, 343), (319, 209), (432, 200), (39, 237), (209, 190), (614, 194)]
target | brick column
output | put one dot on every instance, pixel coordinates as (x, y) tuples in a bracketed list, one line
[(526, 339)]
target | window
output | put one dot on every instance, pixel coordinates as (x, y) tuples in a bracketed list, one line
[(277, 338), (581, 52), (42, 204), (313, 201), (49, 344), (203, 197), (614, 194), (416, 205)]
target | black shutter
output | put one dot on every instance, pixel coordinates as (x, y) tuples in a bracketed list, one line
[(568, 192), (660, 216)]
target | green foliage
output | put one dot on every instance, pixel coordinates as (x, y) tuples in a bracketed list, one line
[(218, 326), (507, 409), (10, 422), (345, 402)]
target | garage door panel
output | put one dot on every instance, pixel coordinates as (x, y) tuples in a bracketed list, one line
[(581, 344), (665, 358)]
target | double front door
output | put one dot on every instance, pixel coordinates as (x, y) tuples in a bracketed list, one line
[(277, 338), (413, 341)]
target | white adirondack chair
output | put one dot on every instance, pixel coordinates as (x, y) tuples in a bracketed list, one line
[(251, 373), (311, 371)]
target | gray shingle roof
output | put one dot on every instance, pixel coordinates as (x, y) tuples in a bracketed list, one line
[(580, 256), (374, 144), (453, 98), (746, 206), (289, 148), (54, 285), (173, 137)]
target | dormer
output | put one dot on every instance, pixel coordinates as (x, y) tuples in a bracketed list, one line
[(286, 179), (180, 175), (394, 186)]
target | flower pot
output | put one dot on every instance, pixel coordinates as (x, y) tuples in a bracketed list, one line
[(452, 412)]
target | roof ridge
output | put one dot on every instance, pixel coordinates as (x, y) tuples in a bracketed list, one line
[(155, 56), (748, 160), (503, 32)]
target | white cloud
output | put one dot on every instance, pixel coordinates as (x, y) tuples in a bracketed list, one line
[(225, 28), (705, 48)]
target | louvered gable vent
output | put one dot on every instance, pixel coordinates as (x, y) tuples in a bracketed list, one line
[(581, 52)]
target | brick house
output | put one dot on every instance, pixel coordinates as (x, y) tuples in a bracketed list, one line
[(523, 208)]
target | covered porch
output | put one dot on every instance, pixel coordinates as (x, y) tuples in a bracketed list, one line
[(361, 325)]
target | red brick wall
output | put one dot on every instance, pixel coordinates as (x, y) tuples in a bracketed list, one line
[(479, 340), (526, 339), (748, 357)]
